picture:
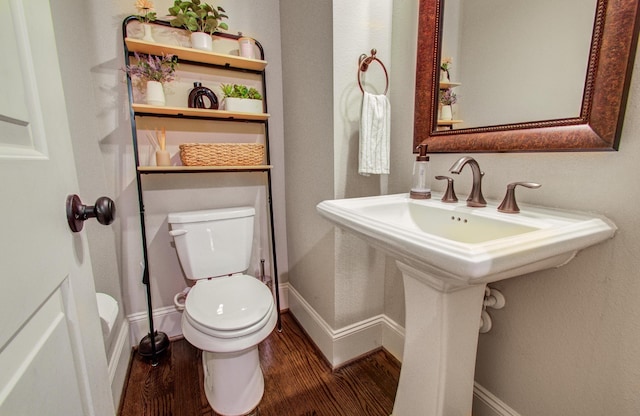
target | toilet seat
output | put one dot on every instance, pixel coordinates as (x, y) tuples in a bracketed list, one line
[(229, 306)]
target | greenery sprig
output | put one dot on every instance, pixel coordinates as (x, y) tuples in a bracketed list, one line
[(196, 16), (448, 97), (445, 65), (153, 68), (240, 91)]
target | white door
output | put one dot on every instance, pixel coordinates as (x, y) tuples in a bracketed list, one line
[(52, 359)]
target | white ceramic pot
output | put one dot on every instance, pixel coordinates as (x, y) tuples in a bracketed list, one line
[(201, 41), (243, 105), (155, 93), (446, 113)]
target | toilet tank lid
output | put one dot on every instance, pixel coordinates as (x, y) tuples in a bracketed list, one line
[(210, 215)]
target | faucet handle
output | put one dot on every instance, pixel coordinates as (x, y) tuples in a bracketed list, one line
[(450, 194), (509, 205)]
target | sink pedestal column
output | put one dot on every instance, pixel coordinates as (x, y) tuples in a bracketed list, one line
[(441, 340)]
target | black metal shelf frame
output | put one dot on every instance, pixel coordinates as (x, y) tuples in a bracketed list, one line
[(153, 345)]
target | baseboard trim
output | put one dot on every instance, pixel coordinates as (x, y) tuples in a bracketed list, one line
[(119, 362), (166, 319), (284, 296), (491, 402), (345, 344), (338, 346)]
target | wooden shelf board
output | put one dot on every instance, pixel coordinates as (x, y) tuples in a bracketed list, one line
[(196, 112), (195, 55), (169, 169), (449, 122)]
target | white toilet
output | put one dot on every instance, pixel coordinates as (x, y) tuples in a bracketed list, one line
[(227, 313)]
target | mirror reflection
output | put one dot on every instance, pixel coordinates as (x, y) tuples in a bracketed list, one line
[(513, 61), (610, 31)]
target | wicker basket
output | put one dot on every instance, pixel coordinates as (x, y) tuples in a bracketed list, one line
[(221, 154)]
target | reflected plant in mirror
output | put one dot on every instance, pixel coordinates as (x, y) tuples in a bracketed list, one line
[(536, 76), (445, 76), (519, 62), (448, 97)]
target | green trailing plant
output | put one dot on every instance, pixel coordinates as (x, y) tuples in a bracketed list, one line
[(196, 16), (240, 91)]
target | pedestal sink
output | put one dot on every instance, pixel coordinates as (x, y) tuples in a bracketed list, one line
[(447, 253)]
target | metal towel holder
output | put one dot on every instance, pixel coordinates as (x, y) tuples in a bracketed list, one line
[(363, 65)]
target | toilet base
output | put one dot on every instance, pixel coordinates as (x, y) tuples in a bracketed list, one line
[(233, 382)]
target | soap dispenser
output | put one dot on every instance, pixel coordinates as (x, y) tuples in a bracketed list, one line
[(421, 185)]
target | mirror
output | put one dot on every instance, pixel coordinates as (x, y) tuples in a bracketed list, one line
[(520, 60), (599, 112)]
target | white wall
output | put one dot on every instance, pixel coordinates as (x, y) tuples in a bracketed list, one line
[(567, 342), (307, 58), (358, 27), (499, 41), (103, 142), (77, 57), (80, 60), (340, 277)]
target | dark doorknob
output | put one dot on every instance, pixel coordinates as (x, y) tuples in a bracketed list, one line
[(104, 211)]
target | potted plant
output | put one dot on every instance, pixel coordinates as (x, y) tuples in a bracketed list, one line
[(146, 15), (153, 71), (445, 65), (447, 99), (241, 98), (201, 19)]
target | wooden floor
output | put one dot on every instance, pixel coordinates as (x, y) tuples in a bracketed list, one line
[(298, 381)]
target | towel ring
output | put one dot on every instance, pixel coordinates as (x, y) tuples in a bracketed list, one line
[(363, 65)]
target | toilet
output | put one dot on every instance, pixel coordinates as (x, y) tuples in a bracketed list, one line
[(227, 313)]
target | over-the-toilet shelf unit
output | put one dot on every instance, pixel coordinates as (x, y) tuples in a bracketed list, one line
[(211, 61)]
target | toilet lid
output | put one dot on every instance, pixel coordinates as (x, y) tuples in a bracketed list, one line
[(228, 303)]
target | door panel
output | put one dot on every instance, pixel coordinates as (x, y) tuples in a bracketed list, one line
[(52, 358), (21, 119), (37, 378), (34, 241)]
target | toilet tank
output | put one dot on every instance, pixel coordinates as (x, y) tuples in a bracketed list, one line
[(213, 242)]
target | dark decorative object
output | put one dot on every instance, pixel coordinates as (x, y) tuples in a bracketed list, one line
[(199, 96)]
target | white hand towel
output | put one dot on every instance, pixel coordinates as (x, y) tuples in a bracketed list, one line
[(374, 134)]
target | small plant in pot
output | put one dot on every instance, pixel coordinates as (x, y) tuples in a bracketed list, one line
[(201, 19), (241, 98), (146, 15), (445, 66), (447, 99), (153, 71)]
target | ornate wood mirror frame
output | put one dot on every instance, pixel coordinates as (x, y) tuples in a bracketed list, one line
[(599, 125)]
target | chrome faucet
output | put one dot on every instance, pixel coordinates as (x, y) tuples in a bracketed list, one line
[(475, 197)]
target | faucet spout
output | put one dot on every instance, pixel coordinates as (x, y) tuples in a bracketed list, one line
[(475, 198)]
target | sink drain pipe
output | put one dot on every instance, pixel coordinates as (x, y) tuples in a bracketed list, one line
[(493, 299)]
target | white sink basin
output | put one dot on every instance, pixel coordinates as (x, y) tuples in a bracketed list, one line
[(470, 245), (447, 253)]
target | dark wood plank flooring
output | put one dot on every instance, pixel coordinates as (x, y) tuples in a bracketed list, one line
[(298, 381)]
